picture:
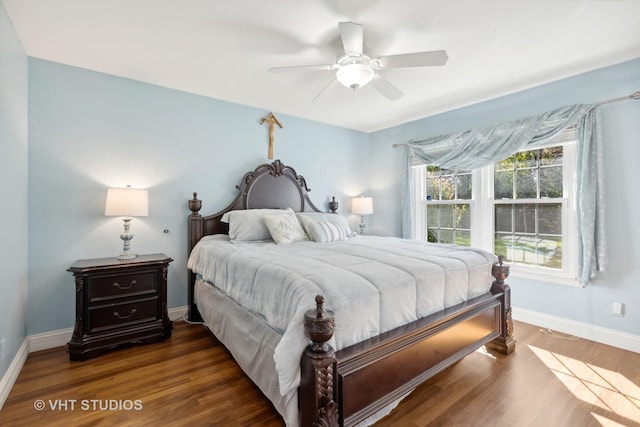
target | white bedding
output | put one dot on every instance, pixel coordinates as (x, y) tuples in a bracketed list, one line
[(373, 284), (251, 342)]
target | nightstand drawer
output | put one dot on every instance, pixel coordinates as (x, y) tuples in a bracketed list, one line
[(117, 315), (122, 285)]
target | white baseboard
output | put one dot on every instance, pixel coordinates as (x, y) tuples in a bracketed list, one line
[(10, 377), (47, 340), (599, 334), (178, 313), (61, 337)]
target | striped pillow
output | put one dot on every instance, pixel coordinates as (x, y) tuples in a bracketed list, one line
[(325, 227)]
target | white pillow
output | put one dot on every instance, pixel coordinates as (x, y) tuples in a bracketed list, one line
[(248, 225), (284, 227), (325, 227)]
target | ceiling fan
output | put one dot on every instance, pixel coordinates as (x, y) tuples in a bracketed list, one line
[(357, 68)]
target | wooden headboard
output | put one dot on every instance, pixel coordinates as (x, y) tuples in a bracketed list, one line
[(270, 185)]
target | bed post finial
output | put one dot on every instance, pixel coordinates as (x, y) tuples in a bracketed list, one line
[(504, 343), (333, 205), (318, 395), (500, 271), (194, 204), (318, 326)]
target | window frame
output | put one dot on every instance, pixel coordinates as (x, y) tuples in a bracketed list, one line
[(482, 205)]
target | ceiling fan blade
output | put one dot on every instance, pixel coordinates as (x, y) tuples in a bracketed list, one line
[(383, 86), (323, 89), (352, 38), (418, 59), (303, 68)]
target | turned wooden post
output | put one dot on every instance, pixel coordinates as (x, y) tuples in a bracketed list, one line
[(504, 343), (196, 231), (333, 205), (318, 393)]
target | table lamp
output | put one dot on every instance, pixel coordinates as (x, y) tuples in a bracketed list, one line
[(362, 206), (127, 202)]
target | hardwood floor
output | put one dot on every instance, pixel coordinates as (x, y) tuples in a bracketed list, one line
[(190, 379)]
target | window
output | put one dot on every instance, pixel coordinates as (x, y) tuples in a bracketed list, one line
[(448, 211), (520, 208)]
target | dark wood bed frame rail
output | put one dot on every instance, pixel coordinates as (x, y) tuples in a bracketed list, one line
[(343, 388)]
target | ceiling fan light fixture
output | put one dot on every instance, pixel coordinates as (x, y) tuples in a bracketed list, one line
[(355, 67), (354, 75)]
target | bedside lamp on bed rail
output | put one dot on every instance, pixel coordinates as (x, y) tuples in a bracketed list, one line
[(362, 206), (127, 202)]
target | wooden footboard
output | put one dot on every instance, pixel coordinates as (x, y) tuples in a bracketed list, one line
[(345, 387)]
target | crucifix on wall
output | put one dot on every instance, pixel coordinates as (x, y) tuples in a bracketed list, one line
[(271, 119)]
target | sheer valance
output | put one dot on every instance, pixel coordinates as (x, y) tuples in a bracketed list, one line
[(477, 148)]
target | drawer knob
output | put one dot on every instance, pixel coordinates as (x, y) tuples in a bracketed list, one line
[(115, 313), (119, 286)]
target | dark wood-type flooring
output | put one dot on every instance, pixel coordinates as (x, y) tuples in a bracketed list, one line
[(191, 380)]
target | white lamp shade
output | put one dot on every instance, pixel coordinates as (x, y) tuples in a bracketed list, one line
[(362, 205), (127, 202)]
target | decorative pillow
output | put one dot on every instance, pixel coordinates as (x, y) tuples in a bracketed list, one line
[(284, 227), (248, 225), (324, 227)]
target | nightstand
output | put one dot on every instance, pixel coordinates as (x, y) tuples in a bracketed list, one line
[(119, 302)]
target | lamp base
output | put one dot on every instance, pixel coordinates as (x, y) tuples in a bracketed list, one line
[(126, 256), (362, 224), (126, 237)]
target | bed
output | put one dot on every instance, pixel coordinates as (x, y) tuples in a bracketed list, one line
[(383, 351)]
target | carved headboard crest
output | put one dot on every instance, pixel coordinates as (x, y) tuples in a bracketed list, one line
[(276, 169)]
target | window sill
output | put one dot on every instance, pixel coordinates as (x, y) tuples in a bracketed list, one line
[(542, 276)]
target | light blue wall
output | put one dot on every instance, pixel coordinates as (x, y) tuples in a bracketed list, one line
[(621, 132), (90, 131), (13, 192)]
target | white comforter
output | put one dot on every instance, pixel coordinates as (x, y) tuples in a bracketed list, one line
[(373, 284)]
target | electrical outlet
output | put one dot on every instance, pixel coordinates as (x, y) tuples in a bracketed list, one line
[(2, 348), (617, 309)]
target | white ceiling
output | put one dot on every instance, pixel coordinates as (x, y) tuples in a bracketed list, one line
[(223, 49)]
